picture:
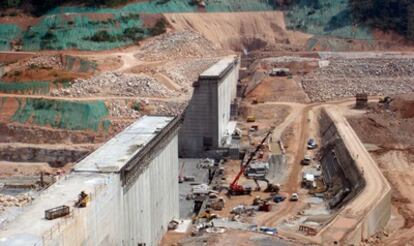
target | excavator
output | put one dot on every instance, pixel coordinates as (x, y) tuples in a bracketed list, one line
[(236, 189), (83, 200)]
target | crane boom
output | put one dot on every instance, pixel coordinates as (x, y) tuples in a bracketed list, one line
[(234, 186)]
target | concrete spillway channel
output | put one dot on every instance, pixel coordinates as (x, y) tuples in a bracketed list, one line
[(365, 198)]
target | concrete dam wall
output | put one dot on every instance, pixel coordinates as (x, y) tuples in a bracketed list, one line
[(132, 186)]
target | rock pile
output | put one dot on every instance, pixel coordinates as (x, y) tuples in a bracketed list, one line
[(347, 77), (116, 84), (15, 201), (48, 62), (176, 44), (169, 108), (119, 109), (185, 72)]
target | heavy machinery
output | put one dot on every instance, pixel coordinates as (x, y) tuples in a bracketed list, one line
[(235, 188), (206, 214), (82, 201), (385, 100), (251, 118), (270, 188), (262, 204)]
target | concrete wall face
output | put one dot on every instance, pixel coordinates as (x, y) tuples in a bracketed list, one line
[(337, 162), (151, 203), (98, 223), (377, 216), (208, 114), (116, 216), (226, 94)]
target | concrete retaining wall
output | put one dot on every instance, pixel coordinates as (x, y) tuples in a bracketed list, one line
[(368, 207), (338, 164)]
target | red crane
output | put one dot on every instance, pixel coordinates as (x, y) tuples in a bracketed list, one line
[(236, 189)]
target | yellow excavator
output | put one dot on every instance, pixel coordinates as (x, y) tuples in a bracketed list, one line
[(206, 214)]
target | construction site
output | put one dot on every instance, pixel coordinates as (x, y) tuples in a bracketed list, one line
[(239, 123)]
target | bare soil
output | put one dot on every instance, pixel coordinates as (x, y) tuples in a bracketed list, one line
[(391, 130), (245, 30)]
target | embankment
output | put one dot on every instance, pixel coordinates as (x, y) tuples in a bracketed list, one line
[(241, 31)]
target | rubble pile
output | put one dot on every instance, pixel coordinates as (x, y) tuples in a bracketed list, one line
[(176, 44), (288, 59), (116, 84), (121, 109), (347, 77), (168, 108), (14, 201), (48, 62), (185, 72)]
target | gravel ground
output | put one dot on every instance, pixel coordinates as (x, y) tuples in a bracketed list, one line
[(347, 77), (116, 84)]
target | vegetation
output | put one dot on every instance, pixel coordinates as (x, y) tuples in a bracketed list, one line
[(136, 106), (159, 28), (132, 33), (396, 15), (39, 7), (135, 34)]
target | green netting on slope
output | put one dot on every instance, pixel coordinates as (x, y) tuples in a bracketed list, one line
[(175, 6), (142, 7), (8, 32), (237, 5), (66, 32), (32, 87), (66, 27), (325, 17), (85, 65), (63, 114)]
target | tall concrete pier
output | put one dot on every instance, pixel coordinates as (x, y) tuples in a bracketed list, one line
[(206, 121)]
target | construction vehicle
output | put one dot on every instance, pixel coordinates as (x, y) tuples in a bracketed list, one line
[(312, 144), (279, 198), (206, 214), (262, 204), (294, 197), (82, 201), (385, 100), (306, 160), (251, 118), (236, 189), (270, 188)]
